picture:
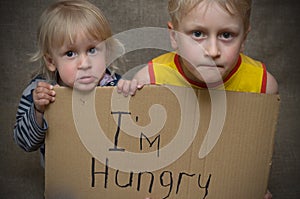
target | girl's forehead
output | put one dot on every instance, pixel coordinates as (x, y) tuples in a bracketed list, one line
[(77, 34), (86, 38)]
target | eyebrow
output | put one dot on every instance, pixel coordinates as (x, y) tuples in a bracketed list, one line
[(198, 26)]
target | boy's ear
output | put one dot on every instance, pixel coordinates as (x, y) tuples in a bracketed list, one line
[(173, 37), (49, 63), (170, 25), (245, 38)]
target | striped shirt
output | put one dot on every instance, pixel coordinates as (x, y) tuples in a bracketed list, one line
[(27, 133)]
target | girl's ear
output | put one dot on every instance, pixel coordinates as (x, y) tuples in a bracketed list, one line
[(244, 41), (49, 63), (172, 34)]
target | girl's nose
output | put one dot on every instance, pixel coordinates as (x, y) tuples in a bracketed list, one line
[(84, 62)]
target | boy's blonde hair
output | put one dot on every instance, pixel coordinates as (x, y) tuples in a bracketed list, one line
[(62, 21), (180, 8)]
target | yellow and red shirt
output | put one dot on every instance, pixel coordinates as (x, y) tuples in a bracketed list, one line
[(248, 75)]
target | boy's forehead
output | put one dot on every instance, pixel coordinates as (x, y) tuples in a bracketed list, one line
[(210, 7), (202, 7), (180, 8), (184, 7), (210, 16)]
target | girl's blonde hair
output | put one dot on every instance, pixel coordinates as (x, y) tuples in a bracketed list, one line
[(180, 8), (61, 22)]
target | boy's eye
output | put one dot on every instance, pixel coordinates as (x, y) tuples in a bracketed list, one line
[(197, 34), (226, 35)]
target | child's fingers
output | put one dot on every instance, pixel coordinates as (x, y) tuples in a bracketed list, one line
[(45, 85), (43, 89), (129, 87), (40, 96), (41, 100), (43, 95), (133, 87), (141, 84), (124, 87), (120, 85)]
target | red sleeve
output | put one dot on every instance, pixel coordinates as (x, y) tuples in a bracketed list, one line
[(151, 73), (264, 80)]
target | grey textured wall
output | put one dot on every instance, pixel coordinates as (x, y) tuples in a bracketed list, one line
[(274, 39)]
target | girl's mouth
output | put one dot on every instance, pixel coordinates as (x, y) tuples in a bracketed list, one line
[(86, 79)]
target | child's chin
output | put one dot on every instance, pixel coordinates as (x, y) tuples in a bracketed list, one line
[(210, 77), (213, 79), (84, 87)]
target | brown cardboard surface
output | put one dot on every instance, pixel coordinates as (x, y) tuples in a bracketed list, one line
[(178, 151)]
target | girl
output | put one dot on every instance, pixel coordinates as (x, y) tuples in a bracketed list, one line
[(73, 49)]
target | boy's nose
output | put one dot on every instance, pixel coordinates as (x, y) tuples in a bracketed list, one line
[(212, 49)]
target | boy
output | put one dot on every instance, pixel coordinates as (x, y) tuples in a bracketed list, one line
[(208, 37)]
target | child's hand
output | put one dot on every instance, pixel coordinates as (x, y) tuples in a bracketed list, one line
[(129, 87), (43, 95)]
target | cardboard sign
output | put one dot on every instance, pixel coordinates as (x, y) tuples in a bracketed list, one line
[(165, 142)]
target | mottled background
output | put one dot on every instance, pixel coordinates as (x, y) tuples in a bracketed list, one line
[(274, 39)]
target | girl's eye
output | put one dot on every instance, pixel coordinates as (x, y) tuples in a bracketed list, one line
[(70, 54), (92, 50)]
